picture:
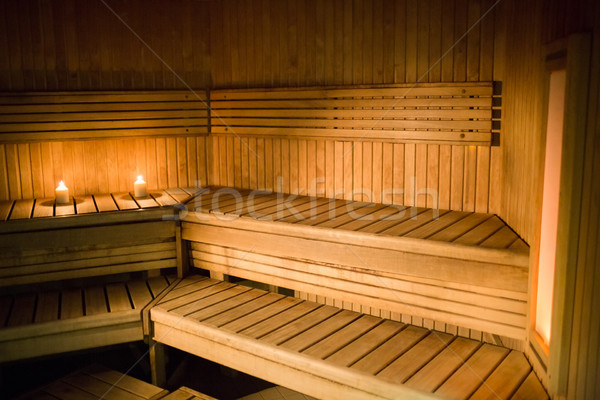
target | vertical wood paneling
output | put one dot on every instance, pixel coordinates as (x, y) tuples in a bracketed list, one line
[(98, 166), (68, 45), (367, 42)]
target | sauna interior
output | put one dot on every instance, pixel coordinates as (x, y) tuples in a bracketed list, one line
[(331, 199)]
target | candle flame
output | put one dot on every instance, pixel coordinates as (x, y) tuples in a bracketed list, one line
[(140, 179), (61, 186)]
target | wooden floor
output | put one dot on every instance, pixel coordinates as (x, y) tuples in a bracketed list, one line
[(11, 210), (466, 228), (391, 352)]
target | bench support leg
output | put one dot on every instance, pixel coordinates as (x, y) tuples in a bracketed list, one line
[(158, 363), (183, 266)]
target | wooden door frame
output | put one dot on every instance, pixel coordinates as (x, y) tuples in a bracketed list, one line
[(552, 362)]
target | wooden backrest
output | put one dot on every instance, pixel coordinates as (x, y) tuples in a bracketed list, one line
[(456, 113), (86, 115)]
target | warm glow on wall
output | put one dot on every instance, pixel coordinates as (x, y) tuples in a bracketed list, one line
[(549, 228)]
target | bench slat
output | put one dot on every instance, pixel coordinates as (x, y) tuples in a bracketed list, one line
[(43, 208), (105, 202), (22, 310), (85, 205), (432, 375), (414, 359), (21, 210), (118, 299), (505, 379), (125, 201), (501, 239), (261, 314), (531, 388), (5, 208), (320, 331), (47, 307), (65, 209), (71, 305), (242, 310), (469, 376), (357, 349), (95, 300), (335, 341), (140, 294)]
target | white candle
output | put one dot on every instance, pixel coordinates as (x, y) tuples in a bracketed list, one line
[(62, 193), (139, 187)]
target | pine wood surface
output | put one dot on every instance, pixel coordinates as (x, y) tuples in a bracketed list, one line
[(200, 314), (50, 322), (386, 257), (95, 203), (94, 382), (429, 113), (473, 229)]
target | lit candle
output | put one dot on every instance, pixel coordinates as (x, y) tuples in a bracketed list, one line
[(62, 193), (139, 187)]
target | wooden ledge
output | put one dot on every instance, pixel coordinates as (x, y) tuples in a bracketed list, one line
[(400, 243)]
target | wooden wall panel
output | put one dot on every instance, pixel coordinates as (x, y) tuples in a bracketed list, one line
[(71, 45), (359, 42), (100, 166), (364, 171)]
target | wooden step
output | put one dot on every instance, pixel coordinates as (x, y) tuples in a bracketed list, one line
[(326, 352)]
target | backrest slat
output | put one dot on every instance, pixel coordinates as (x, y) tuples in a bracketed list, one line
[(92, 115), (453, 113)]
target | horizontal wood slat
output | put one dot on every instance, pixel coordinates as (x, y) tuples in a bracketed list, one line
[(430, 113), (37, 116)]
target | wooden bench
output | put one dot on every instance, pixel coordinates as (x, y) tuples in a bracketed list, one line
[(450, 113), (47, 252), (330, 353), (465, 269)]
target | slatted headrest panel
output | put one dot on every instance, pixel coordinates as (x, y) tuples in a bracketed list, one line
[(91, 115), (435, 113)]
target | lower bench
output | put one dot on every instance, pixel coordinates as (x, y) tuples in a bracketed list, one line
[(50, 322), (330, 353)]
